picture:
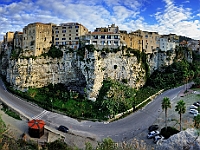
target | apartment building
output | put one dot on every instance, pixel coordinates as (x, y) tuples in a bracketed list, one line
[(68, 34), (37, 37), (150, 40), (104, 37), (132, 40), (18, 39), (166, 44)]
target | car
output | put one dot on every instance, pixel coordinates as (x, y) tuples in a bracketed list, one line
[(157, 138), (193, 111), (193, 107), (152, 134), (196, 104), (153, 127), (63, 128)]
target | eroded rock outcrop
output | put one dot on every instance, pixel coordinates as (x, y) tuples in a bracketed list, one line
[(184, 140)]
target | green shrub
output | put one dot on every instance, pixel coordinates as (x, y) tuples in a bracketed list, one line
[(168, 132)]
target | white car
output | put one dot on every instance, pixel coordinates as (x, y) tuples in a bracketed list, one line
[(193, 107), (157, 138), (193, 111), (152, 134)]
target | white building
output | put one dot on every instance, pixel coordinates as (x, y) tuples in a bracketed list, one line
[(166, 44), (103, 39)]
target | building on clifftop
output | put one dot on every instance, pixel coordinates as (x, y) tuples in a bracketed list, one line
[(68, 34), (37, 38)]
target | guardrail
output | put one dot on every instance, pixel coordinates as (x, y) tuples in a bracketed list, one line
[(131, 110)]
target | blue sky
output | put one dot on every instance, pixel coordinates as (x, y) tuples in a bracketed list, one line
[(180, 17)]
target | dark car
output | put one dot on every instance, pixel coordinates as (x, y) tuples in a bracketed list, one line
[(196, 104), (153, 128), (63, 129)]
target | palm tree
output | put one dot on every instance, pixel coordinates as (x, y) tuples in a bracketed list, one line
[(180, 108), (165, 105), (197, 121)]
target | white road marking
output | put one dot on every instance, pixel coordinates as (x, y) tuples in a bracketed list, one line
[(39, 116)]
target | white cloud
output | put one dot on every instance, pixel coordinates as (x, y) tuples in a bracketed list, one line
[(99, 13)]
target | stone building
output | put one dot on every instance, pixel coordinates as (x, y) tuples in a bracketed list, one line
[(132, 40), (8, 40), (150, 40), (18, 39), (37, 38), (112, 28), (68, 34)]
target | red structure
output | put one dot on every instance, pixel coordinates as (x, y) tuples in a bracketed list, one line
[(36, 128)]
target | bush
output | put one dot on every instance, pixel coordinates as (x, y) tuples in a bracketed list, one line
[(168, 132)]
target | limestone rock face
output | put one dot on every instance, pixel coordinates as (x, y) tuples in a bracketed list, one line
[(79, 73), (88, 73), (188, 140)]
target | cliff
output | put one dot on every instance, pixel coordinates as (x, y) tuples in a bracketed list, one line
[(81, 73)]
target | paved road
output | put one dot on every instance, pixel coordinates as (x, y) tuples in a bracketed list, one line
[(120, 130)]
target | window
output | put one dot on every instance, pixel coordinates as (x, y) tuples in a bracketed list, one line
[(63, 34), (63, 43), (57, 35), (115, 36), (57, 39), (63, 38), (115, 42), (57, 43), (146, 36), (76, 26), (69, 30), (95, 36), (70, 27), (76, 34), (56, 31), (63, 27), (56, 28), (63, 31), (102, 36), (76, 38), (69, 34), (69, 38), (76, 30), (108, 36)]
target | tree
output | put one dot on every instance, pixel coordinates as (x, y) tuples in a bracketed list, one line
[(107, 144), (180, 108), (165, 105), (197, 121)]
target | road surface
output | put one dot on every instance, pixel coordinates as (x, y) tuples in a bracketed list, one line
[(120, 130)]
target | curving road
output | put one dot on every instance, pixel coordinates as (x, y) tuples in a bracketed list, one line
[(120, 130)]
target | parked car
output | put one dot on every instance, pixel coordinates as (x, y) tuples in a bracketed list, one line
[(152, 134), (63, 128), (193, 111), (153, 127), (157, 138), (193, 107), (196, 104)]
